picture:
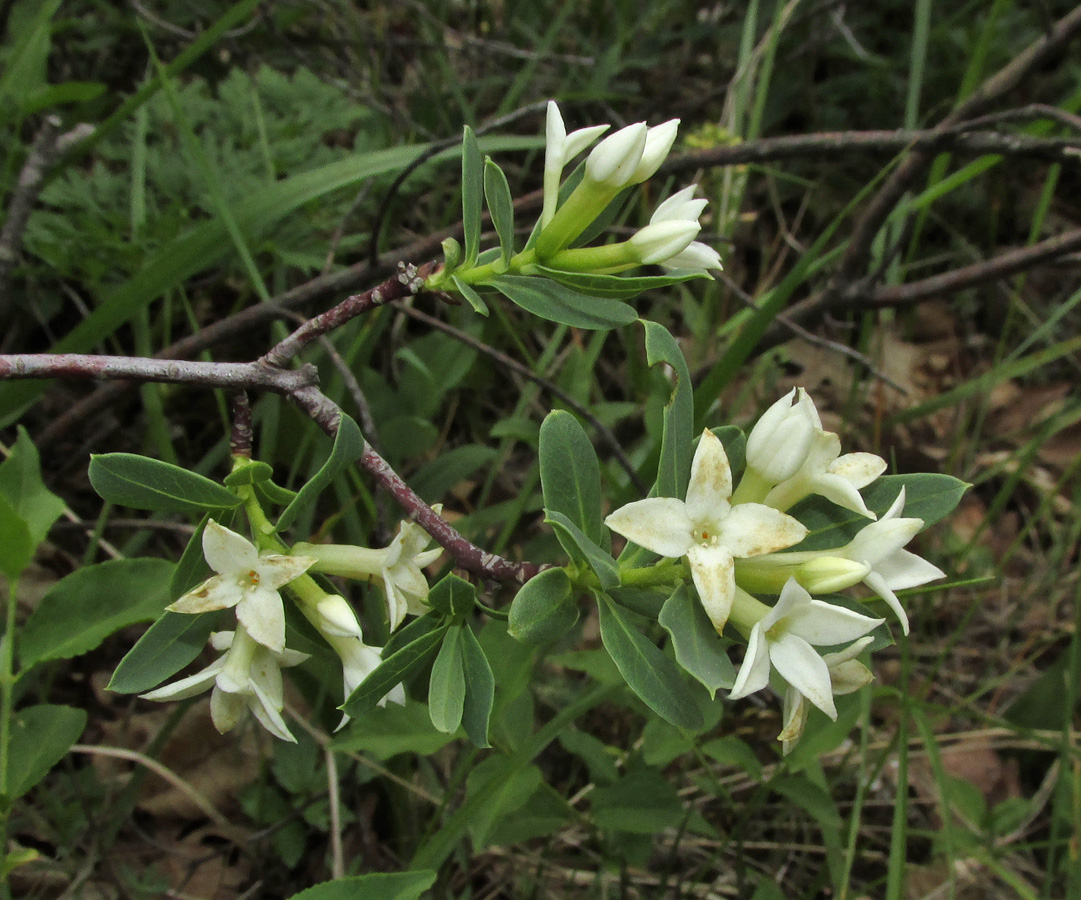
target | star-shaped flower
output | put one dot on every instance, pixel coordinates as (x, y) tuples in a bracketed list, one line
[(246, 676), (879, 545), (785, 638), (404, 582), (358, 662), (847, 675), (707, 528), (247, 580)]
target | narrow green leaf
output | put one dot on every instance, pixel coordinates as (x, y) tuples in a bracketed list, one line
[(192, 568), (409, 632), (472, 192), (572, 539), (557, 303), (479, 689), (501, 206), (22, 484), (167, 646), (85, 607), (472, 297), (274, 493), (542, 611), (678, 424), (446, 688), (40, 736), (377, 886), (647, 671), (348, 446), (699, 649), (387, 731), (614, 287), (395, 669), (570, 474), (140, 482)]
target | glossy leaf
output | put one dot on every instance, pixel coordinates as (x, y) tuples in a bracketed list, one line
[(140, 482), (348, 446), (543, 611), (85, 607), (501, 206), (165, 648), (570, 473), (40, 737), (479, 689), (558, 303), (647, 671), (699, 649), (446, 687)]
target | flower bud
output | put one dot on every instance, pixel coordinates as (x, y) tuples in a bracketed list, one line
[(698, 257), (660, 241), (828, 574), (780, 441), (614, 161), (452, 254), (659, 142), (336, 617)]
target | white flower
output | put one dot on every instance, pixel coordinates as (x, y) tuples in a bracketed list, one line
[(358, 662), (560, 148), (707, 528), (668, 240), (335, 616), (785, 638), (781, 439), (697, 257), (879, 545), (659, 141), (404, 582), (824, 471), (247, 580), (657, 243), (847, 675), (247, 676), (631, 155)]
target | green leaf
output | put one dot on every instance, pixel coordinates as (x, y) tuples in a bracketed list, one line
[(192, 568), (581, 547), (17, 544), (452, 596), (647, 671), (570, 474), (734, 442), (642, 802), (386, 731), (557, 303), (140, 482), (446, 688), (928, 496), (472, 190), (479, 689), (167, 646), (673, 471), (542, 610), (699, 649), (251, 472), (435, 479), (40, 736), (275, 494), (348, 447), (501, 205), (408, 633), (378, 886), (614, 287), (84, 608), (22, 485), (395, 669), (505, 788), (471, 296)]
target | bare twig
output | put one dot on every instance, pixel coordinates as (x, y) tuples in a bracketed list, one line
[(241, 437)]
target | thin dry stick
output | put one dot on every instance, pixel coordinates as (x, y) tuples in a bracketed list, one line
[(337, 856)]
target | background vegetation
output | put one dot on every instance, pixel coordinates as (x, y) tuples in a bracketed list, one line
[(170, 164)]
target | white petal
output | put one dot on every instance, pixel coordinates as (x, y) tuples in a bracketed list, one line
[(753, 529), (714, 574), (793, 597), (577, 141), (903, 570), (823, 624), (262, 614), (711, 480), (860, 469), (187, 687), (659, 140), (842, 492), (753, 674), (882, 539), (799, 664), (337, 617), (897, 507), (794, 717), (214, 593), (269, 717), (277, 570), (670, 208), (658, 243), (226, 551), (225, 709), (614, 160), (696, 257), (878, 584), (660, 524)]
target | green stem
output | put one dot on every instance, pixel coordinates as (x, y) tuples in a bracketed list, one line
[(752, 488), (666, 572)]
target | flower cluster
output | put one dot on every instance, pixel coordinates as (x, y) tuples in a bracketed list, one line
[(737, 543), (248, 674)]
